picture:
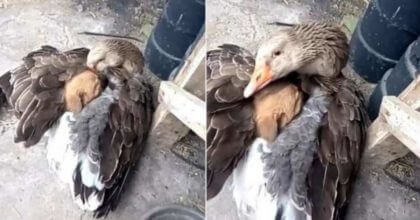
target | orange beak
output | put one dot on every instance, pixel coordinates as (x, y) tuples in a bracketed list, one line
[(261, 77)]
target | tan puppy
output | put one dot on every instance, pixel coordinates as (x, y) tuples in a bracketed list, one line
[(275, 106), (81, 89)]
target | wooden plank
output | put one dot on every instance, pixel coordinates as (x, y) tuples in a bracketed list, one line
[(191, 77), (381, 144), (403, 122), (189, 109)]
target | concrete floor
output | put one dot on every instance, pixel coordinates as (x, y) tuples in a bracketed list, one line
[(244, 22), (28, 189)]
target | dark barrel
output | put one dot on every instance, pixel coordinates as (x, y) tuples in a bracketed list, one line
[(397, 79), (375, 99), (382, 35), (405, 71), (177, 28)]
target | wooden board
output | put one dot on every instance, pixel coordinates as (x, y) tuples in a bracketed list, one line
[(381, 145), (189, 109), (403, 122), (191, 77)]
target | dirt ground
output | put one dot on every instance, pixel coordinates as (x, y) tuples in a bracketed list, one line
[(28, 189), (245, 23)]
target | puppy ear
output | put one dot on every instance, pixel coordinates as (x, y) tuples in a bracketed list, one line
[(73, 102), (267, 127)]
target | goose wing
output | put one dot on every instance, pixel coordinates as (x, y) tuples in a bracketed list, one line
[(129, 125), (229, 69), (112, 144), (342, 138), (35, 89), (230, 127)]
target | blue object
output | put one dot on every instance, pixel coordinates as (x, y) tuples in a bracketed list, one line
[(397, 79), (176, 30), (382, 36)]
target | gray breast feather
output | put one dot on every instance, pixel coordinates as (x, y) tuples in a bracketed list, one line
[(291, 154), (89, 125)]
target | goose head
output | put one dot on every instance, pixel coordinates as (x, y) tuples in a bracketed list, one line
[(275, 59), (312, 48), (116, 54)]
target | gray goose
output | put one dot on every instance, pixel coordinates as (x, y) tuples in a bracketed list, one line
[(234, 122), (94, 106), (310, 167)]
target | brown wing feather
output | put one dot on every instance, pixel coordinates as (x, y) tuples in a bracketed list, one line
[(230, 126), (228, 72), (35, 89), (342, 138), (124, 138)]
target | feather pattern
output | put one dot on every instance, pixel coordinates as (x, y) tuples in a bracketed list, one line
[(124, 137), (228, 72), (35, 89), (323, 42), (342, 137), (230, 125)]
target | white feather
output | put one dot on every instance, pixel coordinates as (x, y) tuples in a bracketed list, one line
[(60, 156), (289, 211), (248, 186), (249, 189), (89, 178), (91, 204), (64, 161)]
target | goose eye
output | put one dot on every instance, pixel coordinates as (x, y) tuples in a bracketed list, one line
[(276, 53)]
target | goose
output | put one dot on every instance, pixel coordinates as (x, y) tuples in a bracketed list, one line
[(95, 108), (310, 167), (325, 139), (235, 122)]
